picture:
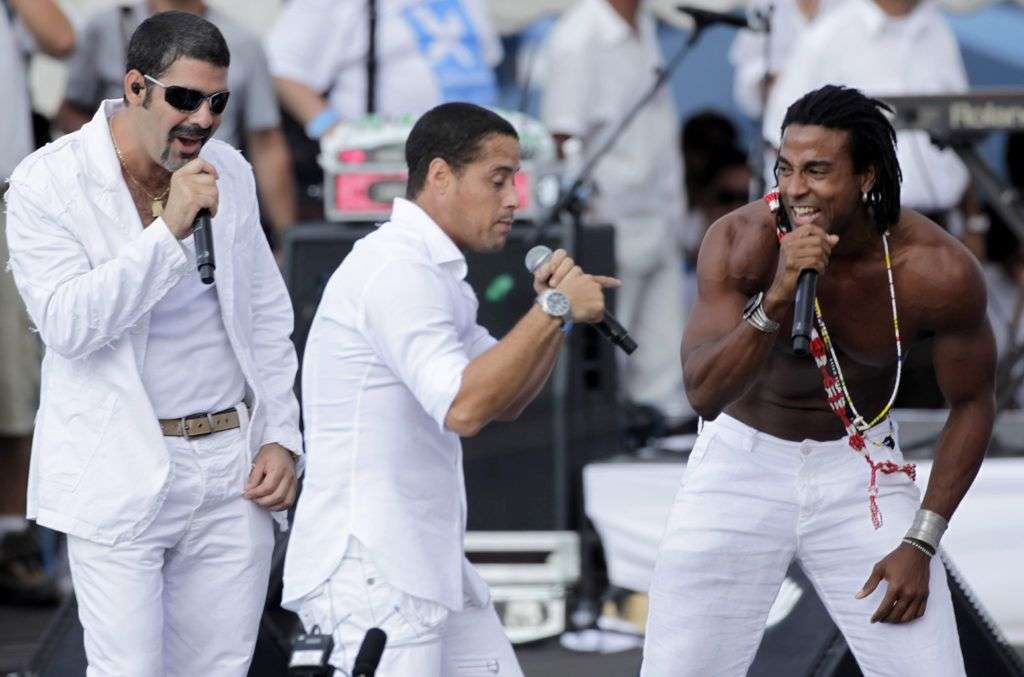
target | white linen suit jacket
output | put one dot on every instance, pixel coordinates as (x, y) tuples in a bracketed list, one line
[(90, 275)]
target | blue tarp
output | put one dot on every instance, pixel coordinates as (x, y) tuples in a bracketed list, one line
[(992, 43)]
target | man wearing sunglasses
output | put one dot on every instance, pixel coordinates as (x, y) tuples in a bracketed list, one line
[(167, 424), (252, 122)]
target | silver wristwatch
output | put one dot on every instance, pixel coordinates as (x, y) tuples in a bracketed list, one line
[(555, 304), (754, 313)]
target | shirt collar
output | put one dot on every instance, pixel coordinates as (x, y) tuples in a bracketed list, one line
[(612, 27), (442, 250), (99, 145)]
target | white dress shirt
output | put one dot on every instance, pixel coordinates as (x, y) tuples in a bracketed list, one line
[(186, 330), (394, 331), (90, 276), (756, 53), (914, 54), (597, 68), (428, 52)]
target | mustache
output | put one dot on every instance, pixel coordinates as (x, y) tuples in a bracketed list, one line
[(191, 131)]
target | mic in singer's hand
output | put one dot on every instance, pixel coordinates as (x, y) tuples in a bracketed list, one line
[(803, 311), (369, 653), (704, 17), (204, 246), (609, 327)]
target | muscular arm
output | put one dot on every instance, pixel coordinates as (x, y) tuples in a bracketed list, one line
[(48, 25), (721, 353), (499, 384), (537, 378), (964, 360), (499, 378)]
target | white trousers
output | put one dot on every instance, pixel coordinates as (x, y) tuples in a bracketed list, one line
[(748, 505), (425, 639), (185, 597)]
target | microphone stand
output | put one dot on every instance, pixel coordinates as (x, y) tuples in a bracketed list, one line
[(572, 201), (575, 190)]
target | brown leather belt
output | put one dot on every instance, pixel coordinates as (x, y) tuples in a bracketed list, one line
[(198, 425)]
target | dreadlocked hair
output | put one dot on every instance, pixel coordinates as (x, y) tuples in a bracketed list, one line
[(870, 138)]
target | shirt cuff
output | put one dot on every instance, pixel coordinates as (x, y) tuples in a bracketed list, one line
[(172, 245), (444, 399), (288, 438)]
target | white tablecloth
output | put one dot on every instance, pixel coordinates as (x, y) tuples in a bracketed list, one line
[(629, 502)]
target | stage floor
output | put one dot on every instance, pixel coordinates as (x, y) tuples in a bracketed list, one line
[(21, 628)]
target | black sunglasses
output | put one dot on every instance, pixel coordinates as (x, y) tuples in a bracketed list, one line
[(189, 100)]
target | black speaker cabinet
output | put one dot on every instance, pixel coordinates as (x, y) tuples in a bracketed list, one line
[(523, 475)]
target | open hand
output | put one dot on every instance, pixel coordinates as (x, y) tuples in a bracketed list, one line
[(905, 571)]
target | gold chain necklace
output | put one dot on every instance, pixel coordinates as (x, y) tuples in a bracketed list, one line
[(156, 202)]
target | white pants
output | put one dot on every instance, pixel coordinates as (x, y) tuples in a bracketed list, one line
[(751, 503), (424, 638), (651, 305), (185, 597)]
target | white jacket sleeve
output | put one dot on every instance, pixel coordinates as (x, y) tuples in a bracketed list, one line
[(77, 307), (272, 347)]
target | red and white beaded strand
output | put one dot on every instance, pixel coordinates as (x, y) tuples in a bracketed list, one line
[(837, 393)]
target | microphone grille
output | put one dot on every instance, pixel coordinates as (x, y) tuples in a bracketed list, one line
[(536, 256)]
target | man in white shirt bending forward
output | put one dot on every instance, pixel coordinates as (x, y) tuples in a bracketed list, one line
[(396, 369)]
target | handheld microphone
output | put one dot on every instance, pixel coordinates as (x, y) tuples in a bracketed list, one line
[(704, 17), (204, 246), (369, 653), (609, 327), (803, 311)]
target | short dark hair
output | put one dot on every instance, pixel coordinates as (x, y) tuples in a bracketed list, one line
[(165, 37), (453, 132), (871, 140)]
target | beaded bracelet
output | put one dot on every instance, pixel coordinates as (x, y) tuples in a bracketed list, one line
[(920, 545)]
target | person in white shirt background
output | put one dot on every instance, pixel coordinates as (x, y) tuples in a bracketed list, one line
[(758, 56), (24, 25), (165, 509), (902, 47), (395, 370), (601, 57), (427, 52)]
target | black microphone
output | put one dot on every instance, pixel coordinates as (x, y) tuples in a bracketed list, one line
[(703, 17), (369, 653), (204, 246), (803, 311), (609, 327)]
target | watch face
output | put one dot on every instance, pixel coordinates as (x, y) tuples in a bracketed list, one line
[(557, 304)]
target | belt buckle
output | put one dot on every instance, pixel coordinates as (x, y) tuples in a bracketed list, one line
[(184, 426)]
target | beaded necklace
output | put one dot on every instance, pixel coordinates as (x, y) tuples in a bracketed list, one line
[(836, 391)]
